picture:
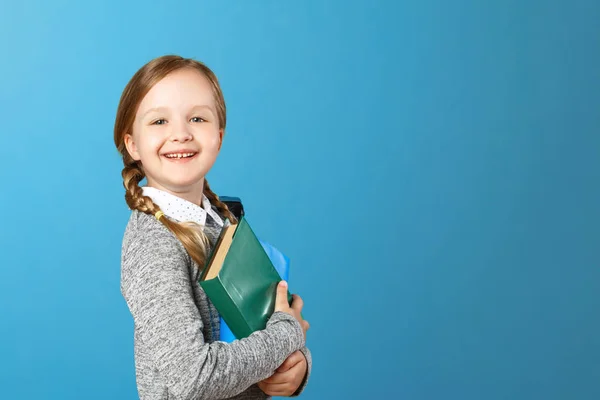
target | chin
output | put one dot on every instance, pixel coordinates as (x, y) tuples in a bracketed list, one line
[(184, 184)]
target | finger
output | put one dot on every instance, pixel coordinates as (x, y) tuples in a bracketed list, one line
[(292, 360), (278, 389), (306, 325), (276, 378), (275, 385), (265, 387), (297, 302), (286, 376), (281, 302)]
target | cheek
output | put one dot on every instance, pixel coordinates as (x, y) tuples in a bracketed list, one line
[(150, 143), (210, 143)]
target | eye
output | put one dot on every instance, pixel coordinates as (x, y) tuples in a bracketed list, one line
[(159, 122), (197, 119)]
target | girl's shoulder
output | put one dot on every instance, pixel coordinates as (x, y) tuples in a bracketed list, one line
[(144, 231), (142, 224)]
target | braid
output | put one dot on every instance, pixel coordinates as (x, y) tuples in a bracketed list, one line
[(221, 207), (191, 236), (132, 176)]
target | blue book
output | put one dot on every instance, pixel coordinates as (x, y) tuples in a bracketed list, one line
[(282, 265)]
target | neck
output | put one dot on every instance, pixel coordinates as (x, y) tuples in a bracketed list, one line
[(193, 193)]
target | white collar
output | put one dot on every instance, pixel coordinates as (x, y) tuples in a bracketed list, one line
[(180, 209)]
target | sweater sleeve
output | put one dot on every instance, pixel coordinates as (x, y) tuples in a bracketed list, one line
[(157, 288)]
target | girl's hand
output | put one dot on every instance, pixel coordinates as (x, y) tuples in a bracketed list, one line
[(281, 304), (287, 378)]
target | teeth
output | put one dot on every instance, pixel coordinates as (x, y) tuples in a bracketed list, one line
[(179, 155)]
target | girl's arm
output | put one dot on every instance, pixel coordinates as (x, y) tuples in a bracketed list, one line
[(157, 288)]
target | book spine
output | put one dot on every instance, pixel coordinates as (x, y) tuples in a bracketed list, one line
[(227, 308), (212, 253)]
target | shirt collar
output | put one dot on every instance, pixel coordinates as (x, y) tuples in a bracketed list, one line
[(180, 209)]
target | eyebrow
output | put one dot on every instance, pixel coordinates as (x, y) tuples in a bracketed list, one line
[(153, 109)]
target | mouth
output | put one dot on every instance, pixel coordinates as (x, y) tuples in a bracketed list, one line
[(180, 155)]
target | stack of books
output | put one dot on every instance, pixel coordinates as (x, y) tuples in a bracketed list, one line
[(240, 278)]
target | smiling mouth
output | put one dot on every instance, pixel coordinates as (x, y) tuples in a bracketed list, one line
[(179, 156)]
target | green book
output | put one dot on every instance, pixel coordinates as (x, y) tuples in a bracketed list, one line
[(240, 280)]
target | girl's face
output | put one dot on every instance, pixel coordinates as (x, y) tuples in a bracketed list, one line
[(176, 133)]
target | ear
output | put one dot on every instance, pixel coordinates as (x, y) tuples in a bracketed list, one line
[(131, 147), (221, 134)]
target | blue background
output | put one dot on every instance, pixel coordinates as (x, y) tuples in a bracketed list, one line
[(431, 168)]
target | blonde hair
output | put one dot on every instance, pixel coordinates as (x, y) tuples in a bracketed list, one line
[(193, 239)]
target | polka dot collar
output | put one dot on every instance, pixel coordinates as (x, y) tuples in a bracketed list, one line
[(180, 209)]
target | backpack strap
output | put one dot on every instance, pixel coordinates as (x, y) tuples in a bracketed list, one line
[(234, 204)]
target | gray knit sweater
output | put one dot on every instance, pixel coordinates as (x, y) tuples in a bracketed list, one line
[(176, 327)]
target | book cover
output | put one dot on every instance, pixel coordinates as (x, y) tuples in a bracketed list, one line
[(281, 263), (240, 279)]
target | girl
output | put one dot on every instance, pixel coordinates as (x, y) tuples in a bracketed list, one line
[(169, 128)]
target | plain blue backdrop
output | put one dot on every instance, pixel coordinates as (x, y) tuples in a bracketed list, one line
[(431, 168)]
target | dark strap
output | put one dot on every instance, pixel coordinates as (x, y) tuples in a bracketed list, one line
[(234, 204)]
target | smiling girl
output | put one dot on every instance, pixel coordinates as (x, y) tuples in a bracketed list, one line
[(169, 129)]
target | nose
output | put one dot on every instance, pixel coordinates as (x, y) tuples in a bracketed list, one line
[(180, 133)]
